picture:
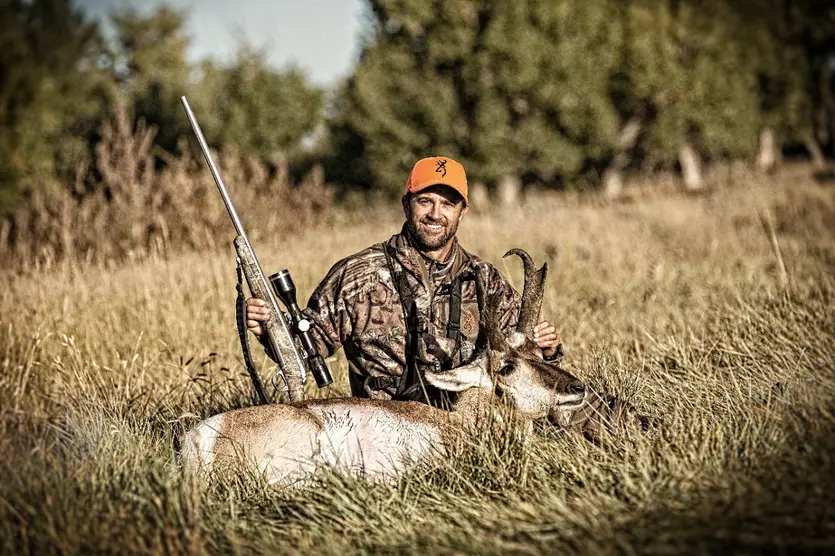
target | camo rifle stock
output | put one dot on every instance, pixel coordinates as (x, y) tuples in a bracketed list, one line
[(279, 337)]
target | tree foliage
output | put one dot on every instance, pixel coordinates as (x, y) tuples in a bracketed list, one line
[(556, 92), (508, 88), (544, 90), (58, 78), (263, 112), (149, 59), (51, 93), (793, 57)]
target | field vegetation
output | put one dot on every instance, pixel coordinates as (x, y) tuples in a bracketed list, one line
[(711, 313)]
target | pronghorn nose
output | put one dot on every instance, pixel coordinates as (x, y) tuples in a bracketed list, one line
[(576, 387)]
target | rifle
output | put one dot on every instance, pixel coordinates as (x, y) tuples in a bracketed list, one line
[(280, 340)]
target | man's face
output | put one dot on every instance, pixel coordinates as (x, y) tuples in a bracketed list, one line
[(433, 215)]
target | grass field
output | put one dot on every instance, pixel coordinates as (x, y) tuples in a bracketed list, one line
[(714, 314)]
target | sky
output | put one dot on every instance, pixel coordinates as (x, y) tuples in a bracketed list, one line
[(320, 36)]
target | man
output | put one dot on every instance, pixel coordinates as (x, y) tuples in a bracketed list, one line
[(409, 303)]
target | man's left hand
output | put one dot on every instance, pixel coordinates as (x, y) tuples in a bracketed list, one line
[(546, 337)]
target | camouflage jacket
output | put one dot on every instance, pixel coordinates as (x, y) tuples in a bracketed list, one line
[(357, 307)]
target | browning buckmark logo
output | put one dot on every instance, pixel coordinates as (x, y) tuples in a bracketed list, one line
[(440, 167)]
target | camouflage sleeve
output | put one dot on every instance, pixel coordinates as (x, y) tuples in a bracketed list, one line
[(327, 313), (509, 299)]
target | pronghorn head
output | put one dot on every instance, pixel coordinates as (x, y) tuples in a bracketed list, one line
[(513, 367)]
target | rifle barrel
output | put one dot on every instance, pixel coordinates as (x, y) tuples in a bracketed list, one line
[(239, 228)]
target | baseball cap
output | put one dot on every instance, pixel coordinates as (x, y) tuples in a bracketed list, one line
[(437, 170)]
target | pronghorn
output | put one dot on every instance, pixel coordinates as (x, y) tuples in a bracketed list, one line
[(380, 438)]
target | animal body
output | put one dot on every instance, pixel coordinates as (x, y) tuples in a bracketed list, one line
[(380, 438)]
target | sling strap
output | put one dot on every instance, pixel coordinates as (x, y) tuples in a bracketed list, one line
[(240, 319), (453, 327)]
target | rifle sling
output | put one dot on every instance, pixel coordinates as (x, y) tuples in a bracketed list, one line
[(240, 320)]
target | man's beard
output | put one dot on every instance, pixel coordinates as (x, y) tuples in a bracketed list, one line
[(430, 242)]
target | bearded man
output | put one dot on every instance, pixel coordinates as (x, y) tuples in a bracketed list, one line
[(409, 303)]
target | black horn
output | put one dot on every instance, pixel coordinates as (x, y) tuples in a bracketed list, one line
[(489, 326), (532, 292)]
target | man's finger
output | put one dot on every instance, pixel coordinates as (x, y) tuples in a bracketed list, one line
[(259, 311)]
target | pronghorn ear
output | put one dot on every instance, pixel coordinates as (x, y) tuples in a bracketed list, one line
[(472, 375)]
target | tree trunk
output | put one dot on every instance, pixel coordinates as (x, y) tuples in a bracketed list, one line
[(767, 155), (613, 176), (691, 168), (818, 160), (613, 181), (479, 200), (509, 190)]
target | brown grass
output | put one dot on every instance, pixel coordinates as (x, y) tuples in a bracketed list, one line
[(711, 313), (124, 207)]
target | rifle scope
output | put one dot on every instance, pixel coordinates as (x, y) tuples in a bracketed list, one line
[(284, 286)]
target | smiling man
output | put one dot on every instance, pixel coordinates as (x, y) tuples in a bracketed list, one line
[(408, 304)]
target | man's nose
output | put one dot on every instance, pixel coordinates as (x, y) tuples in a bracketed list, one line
[(435, 213)]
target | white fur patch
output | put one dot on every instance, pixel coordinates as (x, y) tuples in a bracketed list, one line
[(461, 378), (516, 339), (205, 438)]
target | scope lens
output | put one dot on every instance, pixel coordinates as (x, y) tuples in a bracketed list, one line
[(283, 283)]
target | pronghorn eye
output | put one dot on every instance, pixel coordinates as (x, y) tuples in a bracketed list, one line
[(507, 369)]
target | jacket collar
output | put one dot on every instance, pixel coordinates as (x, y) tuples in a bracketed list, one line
[(407, 255)]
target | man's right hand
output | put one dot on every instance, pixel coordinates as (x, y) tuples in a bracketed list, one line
[(257, 312)]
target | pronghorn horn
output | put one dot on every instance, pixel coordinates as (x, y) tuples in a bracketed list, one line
[(532, 293), (488, 306)]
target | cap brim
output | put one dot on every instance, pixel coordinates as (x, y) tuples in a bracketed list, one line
[(423, 186)]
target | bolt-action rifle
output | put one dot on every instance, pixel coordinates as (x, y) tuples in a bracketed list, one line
[(280, 329)]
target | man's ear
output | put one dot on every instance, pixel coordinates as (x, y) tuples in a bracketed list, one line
[(405, 202), (463, 212), (473, 375)]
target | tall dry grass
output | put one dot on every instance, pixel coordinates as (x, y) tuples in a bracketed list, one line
[(134, 201), (713, 314)]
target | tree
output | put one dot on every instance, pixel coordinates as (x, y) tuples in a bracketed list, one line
[(507, 88), (685, 74), (149, 61), (792, 49), (52, 91), (263, 111)]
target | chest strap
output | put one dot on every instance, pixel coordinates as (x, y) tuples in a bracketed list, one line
[(416, 327), (412, 320), (453, 327)]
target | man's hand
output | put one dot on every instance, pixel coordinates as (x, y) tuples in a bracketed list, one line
[(257, 312), (546, 337)]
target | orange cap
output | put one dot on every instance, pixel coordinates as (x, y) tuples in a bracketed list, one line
[(437, 170)]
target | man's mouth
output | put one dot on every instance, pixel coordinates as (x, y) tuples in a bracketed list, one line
[(433, 228)]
